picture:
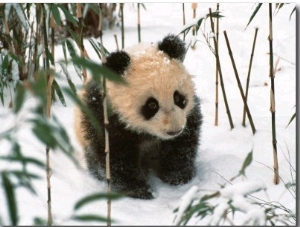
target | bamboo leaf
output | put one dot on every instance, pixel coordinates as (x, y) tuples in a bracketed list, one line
[(23, 159), (246, 163), (68, 15), (92, 198), (89, 217), (98, 69), (19, 98), (292, 118), (294, 10), (254, 13), (66, 72), (59, 93), (96, 48), (10, 198), (55, 13)]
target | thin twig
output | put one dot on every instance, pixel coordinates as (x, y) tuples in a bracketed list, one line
[(239, 84), (248, 77), (220, 71), (272, 97)]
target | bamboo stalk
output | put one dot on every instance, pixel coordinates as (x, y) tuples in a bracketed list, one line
[(248, 77), (183, 14), (217, 75), (194, 7), (139, 22), (220, 71), (239, 84), (106, 134), (48, 112), (116, 39), (122, 25), (272, 99), (81, 46)]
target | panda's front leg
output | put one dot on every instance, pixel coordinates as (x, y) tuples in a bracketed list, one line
[(177, 162), (126, 175)]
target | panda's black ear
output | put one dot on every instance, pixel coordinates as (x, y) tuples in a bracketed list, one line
[(118, 61), (173, 46)]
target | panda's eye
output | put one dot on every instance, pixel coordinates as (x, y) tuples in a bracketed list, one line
[(180, 100), (152, 105), (150, 108)]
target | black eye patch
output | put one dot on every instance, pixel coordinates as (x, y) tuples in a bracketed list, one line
[(180, 100), (150, 108)]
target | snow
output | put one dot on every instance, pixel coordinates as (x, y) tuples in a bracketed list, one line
[(222, 151)]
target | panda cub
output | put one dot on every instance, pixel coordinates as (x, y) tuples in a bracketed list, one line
[(154, 122)]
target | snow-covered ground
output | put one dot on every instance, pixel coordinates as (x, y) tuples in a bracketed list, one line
[(222, 151)]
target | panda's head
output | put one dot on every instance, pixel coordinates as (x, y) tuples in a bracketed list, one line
[(159, 94)]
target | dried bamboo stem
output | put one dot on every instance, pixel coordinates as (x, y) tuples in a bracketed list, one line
[(248, 77), (272, 99), (48, 113), (217, 75), (122, 24), (220, 71), (239, 84), (194, 7), (116, 39), (139, 22), (106, 134)]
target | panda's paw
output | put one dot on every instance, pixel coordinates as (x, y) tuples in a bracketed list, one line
[(141, 193), (177, 177)]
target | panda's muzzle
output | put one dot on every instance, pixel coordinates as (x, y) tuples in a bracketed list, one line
[(174, 133)]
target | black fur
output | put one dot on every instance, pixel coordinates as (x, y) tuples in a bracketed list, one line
[(118, 61), (180, 100), (150, 108), (172, 159), (173, 46)]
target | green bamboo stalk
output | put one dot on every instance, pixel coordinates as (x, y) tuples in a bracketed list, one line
[(183, 18), (139, 22), (248, 77), (81, 46), (272, 98), (220, 71), (217, 75), (239, 84), (122, 24), (48, 113)]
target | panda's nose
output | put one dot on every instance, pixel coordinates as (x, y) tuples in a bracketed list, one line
[(174, 133)]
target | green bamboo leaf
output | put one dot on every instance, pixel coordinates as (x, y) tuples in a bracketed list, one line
[(246, 163), (292, 118), (66, 72), (94, 121), (98, 69), (143, 5), (74, 35), (73, 54), (254, 13), (294, 10), (49, 56), (19, 98), (68, 15), (10, 198), (96, 48), (89, 217), (23, 159), (92, 198), (55, 13), (59, 93)]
